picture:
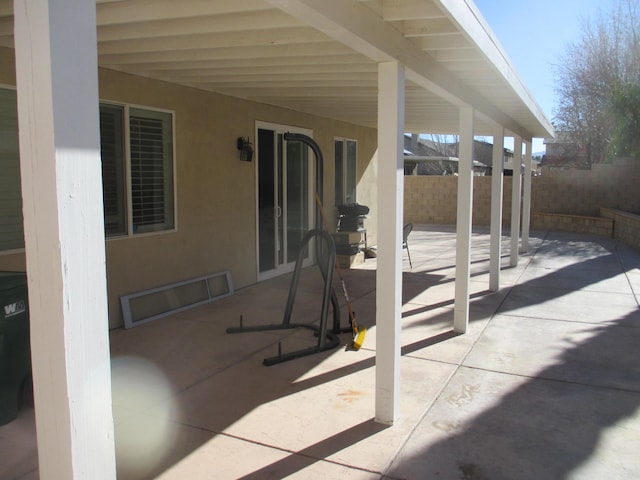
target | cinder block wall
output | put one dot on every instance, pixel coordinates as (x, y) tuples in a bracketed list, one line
[(432, 199), (626, 226), (573, 223), (583, 192)]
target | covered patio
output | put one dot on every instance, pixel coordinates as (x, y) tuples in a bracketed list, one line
[(544, 384), (208, 73)]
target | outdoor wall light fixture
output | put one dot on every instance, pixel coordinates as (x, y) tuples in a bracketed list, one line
[(245, 149)]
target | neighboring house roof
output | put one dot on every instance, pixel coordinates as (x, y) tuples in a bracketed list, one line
[(564, 153), (322, 57), (424, 147)]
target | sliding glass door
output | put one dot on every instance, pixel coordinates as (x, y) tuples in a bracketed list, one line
[(284, 199)]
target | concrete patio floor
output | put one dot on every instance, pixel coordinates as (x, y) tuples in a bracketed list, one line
[(544, 385)]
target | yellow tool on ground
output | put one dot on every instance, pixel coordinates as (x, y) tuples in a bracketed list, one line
[(358, 332)]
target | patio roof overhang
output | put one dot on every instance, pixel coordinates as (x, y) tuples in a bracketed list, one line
[(321, 57), (394, 65)]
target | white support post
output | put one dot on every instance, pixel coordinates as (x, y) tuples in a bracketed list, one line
[(390, 212), (515, 200), (497, 176), (463, 224), (526, 199), (57, 86)]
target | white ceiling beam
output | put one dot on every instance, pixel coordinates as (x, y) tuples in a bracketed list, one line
[(404, 9), (270, 78), (466, 56), (150, 10), (348, 62), (444, 42), (424, 28), (261, 20), (302, 92), (359, 28), (282, 36), (208, 54), (249, 71), (291, 84)]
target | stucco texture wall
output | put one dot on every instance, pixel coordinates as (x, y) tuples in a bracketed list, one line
[(215, 191), (433, 199)]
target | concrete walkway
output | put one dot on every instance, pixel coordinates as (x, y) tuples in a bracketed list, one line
[(545, 384)]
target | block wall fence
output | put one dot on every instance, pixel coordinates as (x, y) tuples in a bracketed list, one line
[(432, 199)]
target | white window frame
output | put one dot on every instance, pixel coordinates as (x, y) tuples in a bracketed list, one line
[(345, 173), (289, 267), (127, 171), (128, 211)]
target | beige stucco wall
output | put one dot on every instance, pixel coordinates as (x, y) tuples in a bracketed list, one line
[(216, 193)]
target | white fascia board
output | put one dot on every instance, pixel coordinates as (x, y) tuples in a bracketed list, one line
[(359, 28), (470, 21)]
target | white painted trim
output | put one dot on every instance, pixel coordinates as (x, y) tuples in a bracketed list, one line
[(361, 29), (526, 201), (127, 160), (469, 19), (515, 200), (390, 185), (57, 85), (344, 186), (127, 138), (497, 194), (463, 221)]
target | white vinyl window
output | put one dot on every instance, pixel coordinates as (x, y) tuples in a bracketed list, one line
[(136, 146), (345, 171), (147, 205)]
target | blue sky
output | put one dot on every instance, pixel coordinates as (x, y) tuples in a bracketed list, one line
[(535, 34)]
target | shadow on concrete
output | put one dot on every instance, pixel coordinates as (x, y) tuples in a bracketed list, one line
[(301, 459), (545, 428), (550, 425)]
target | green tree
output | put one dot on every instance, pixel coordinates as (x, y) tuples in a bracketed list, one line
[(598, 82), (625, 141)]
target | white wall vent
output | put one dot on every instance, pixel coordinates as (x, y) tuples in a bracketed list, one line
[(145, 306)]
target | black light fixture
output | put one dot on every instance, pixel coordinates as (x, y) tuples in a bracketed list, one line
[(245, 148)]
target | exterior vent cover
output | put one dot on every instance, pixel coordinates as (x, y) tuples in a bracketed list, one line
[(148, 305)]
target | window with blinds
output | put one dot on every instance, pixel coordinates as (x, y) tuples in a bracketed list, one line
[(147, 207), (11, 231), (345, 171), (151, 150), (150, 170)]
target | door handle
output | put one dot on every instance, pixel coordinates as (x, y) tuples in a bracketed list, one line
[(278, 211)]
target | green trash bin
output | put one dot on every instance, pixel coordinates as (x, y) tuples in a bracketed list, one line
[(15, 354)]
